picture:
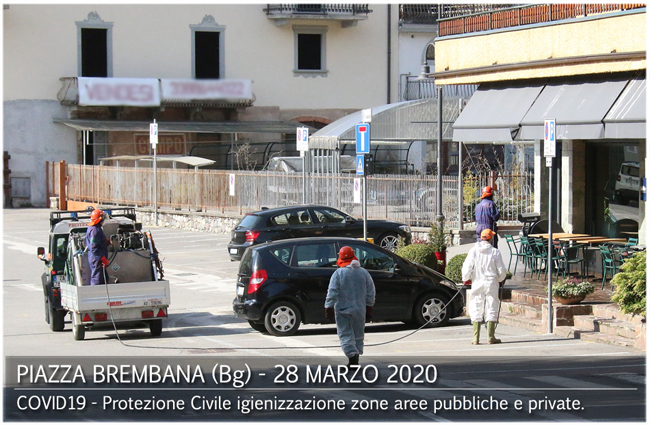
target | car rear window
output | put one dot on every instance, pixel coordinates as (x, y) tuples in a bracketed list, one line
[(630, 171), (282, 254), (248, 221), (248, 262)]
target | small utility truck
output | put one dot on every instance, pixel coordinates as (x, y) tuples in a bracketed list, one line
[(135, 293)]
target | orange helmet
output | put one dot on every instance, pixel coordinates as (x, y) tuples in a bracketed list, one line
[(346, 255), (96, 216), (487, 191)]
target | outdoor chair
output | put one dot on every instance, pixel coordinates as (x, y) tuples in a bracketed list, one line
[(610, 263), (570, 257), (529, 254), (514, 252), (542, 254)]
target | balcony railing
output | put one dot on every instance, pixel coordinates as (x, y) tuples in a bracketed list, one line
[(320, 9), (430, 13), (524, 15)]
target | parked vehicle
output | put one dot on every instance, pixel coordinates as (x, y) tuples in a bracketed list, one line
[(310, 221), (627, 184), (135, 295), (284, 283)]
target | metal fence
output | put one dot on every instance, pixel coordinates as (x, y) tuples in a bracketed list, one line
[(405, 198)]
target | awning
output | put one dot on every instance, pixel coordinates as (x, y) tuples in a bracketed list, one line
[(577, 107), (185, 126), (194, 161), (627, 118), (493, 113)]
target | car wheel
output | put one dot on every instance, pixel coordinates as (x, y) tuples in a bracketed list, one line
[(258, 326), (155, 327), (282, 319), (431, 306), (388, 241)]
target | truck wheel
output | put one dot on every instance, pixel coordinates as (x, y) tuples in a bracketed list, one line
[(282, 319), (57, 319), (78, 332), (47, 310), (155, 327)]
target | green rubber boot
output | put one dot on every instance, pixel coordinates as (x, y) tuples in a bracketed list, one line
[(477, 332), (492, 326)]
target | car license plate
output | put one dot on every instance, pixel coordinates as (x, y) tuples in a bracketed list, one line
[(233, 250), (240, 291)]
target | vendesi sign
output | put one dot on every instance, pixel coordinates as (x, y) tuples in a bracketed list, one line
[(189, 89), (118, 91)]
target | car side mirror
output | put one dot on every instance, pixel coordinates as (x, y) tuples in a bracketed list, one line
[(40, 253), (349, 219)]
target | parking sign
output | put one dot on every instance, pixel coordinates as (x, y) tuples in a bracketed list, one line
[(549, 138), (302, 135)]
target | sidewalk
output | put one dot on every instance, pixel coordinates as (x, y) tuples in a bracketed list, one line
[(596, 319)]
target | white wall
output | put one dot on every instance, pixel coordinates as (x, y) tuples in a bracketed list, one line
[(154, 41)]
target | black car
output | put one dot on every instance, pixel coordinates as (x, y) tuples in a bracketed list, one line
[(309, 221), (284, 283)]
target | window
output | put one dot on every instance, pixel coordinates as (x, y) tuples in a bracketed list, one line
[(208, 49), (282, 254), (324, 215), (293, 218), (94, 47), (371, 259), (309, 50), (316, 255)]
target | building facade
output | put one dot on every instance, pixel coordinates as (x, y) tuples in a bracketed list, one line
[(83, 82), (581, 65)]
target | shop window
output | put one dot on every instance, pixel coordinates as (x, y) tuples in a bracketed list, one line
[(94, 47), (208, 49), (309, 50)]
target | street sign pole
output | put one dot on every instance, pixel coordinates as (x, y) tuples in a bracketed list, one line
[(153, 138), (363, 148), (549, 153)]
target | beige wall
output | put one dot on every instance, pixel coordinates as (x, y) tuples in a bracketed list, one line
[(154, 41), (596, 36)]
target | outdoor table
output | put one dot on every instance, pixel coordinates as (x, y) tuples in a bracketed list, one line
[(556, 236), (604, 240), (580, 238)]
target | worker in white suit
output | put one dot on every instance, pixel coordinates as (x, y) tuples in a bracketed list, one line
[(484, 270)]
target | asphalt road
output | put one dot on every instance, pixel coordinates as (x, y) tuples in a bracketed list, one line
[(608, 381)]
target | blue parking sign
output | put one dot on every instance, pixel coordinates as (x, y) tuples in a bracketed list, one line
[(360, 165), (363, 138)]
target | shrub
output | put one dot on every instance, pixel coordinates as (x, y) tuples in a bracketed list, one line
[(419, 253), (630, 285), (454, 268), (437, 237), (571, 288)]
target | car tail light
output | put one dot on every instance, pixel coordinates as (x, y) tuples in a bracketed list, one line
[(257, 278), (100, 317), (251, 235), (147, 314), (618, 178), (55, 292)]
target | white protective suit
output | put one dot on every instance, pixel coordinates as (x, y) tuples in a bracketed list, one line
[(351, 289), (484, 266)]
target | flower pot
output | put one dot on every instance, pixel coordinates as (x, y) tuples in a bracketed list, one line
[(570, 301), (442, 256)]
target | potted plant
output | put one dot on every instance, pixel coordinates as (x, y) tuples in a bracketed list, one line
[(571, 291), (438, 242)]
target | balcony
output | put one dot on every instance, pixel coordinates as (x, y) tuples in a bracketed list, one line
[(428, 14), (524, 15), (347, 14), (415, 89)]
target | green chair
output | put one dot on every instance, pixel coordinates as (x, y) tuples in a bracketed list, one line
[(569, 254), (610, 263), (542, 255), (514, 252), (527, 249)]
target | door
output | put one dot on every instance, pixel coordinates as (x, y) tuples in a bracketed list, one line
[(333, 222)]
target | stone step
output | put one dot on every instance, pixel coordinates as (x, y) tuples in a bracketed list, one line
[(612, 327), (516, 321), (522, 309), (527, 298), (601, 338), (610, 311)]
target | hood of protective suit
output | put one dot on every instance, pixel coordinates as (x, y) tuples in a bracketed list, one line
[(483, 246)]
